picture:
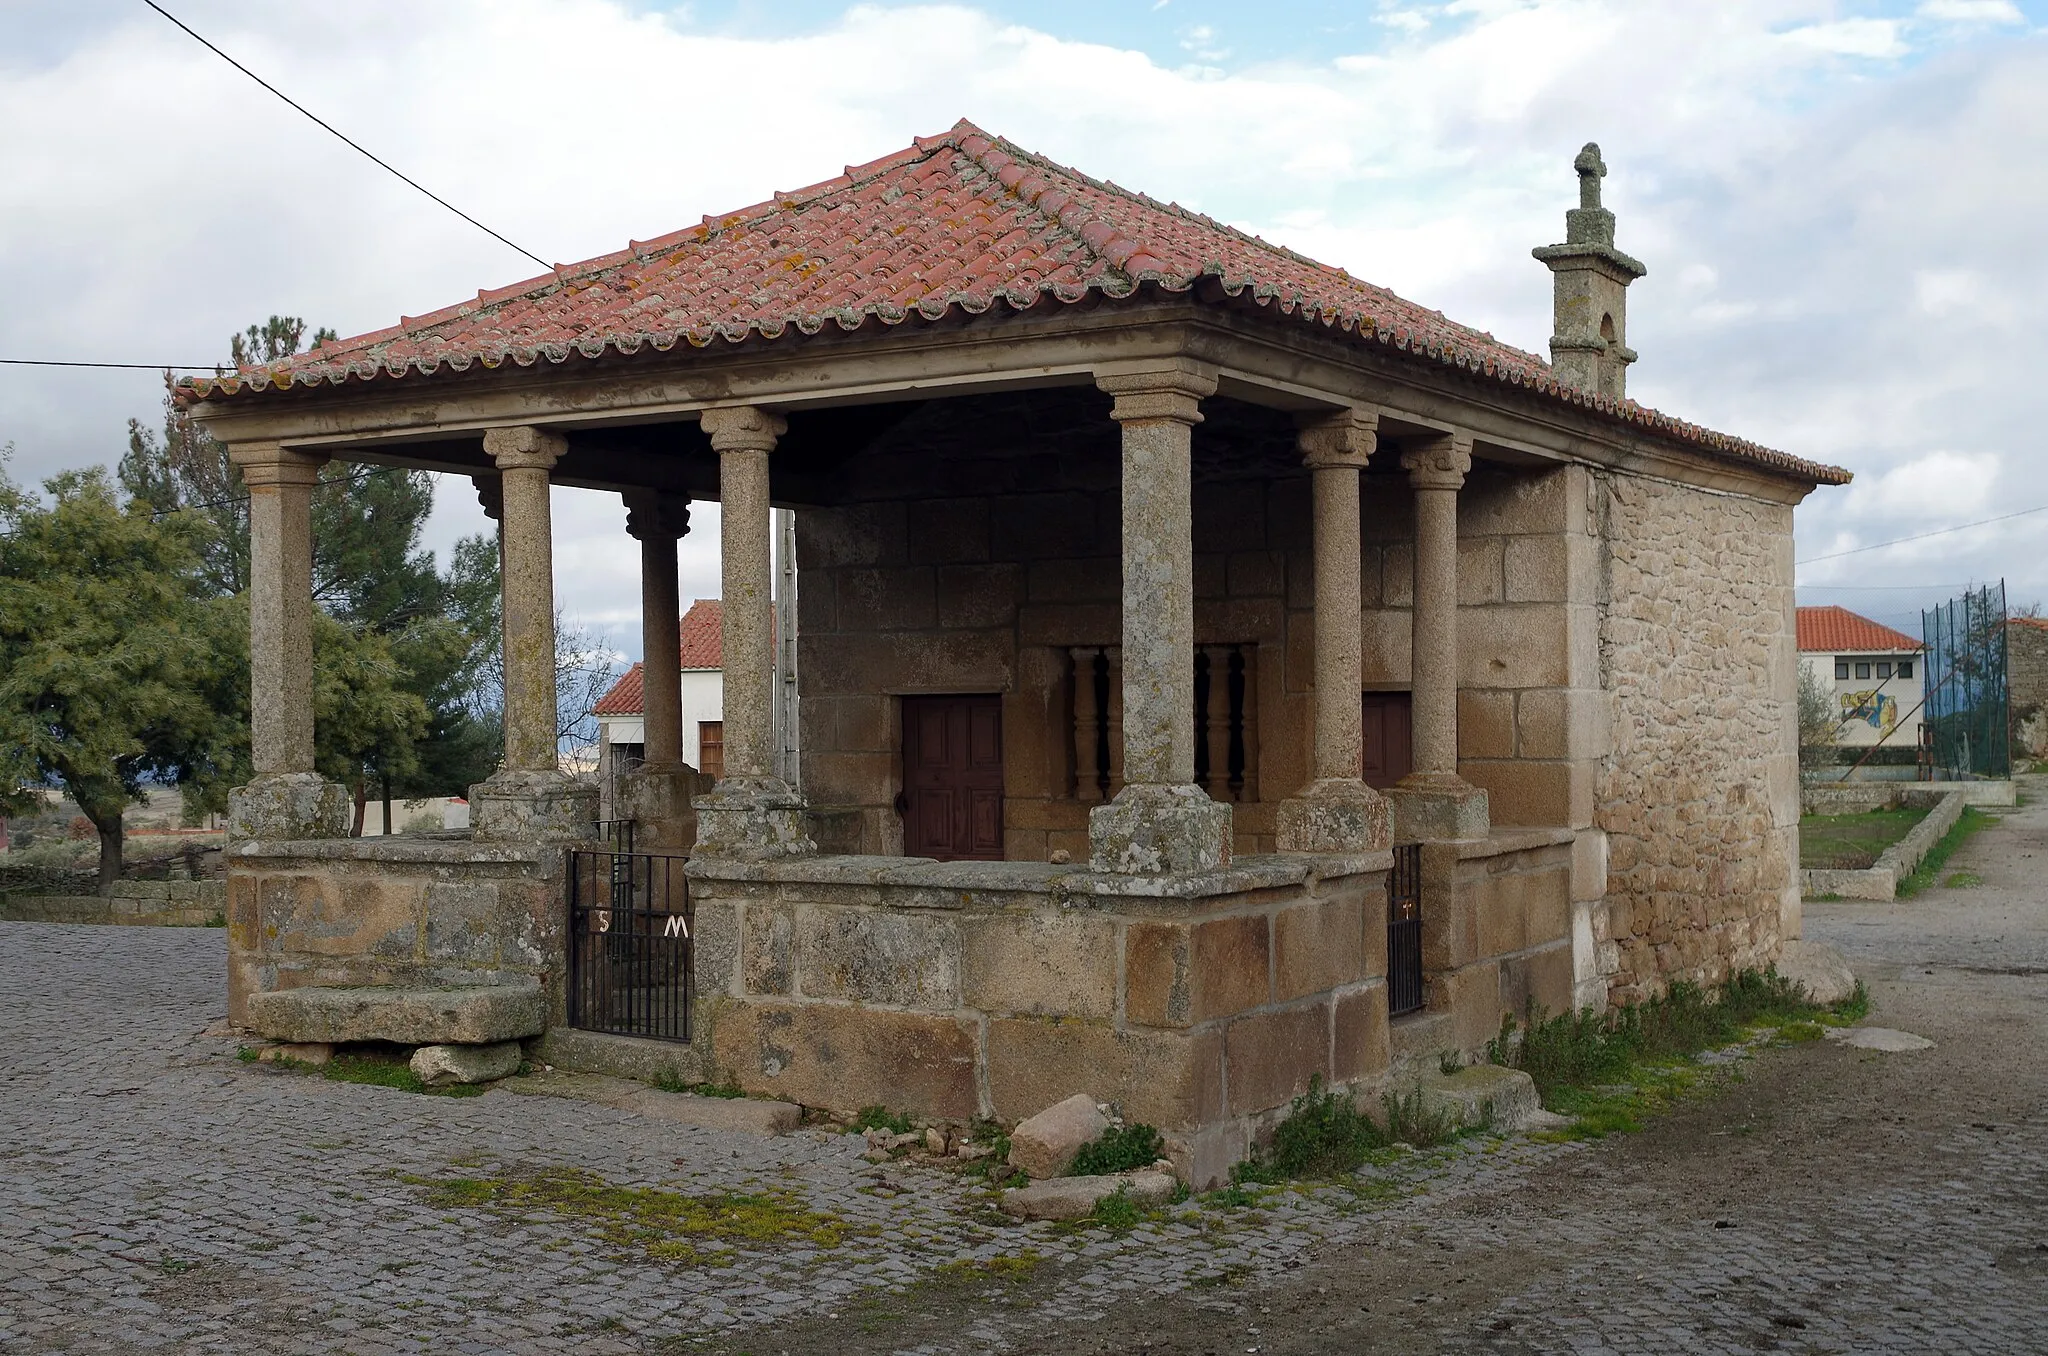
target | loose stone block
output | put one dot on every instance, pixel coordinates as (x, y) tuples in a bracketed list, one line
[(472, 1016), (1480, 1094), (439, 1066), (1817, 968), (1044, 1144), (1077, 1197), (316, 1053)]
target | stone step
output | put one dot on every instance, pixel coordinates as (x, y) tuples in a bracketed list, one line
[(482, 1015), (1418, 1041)]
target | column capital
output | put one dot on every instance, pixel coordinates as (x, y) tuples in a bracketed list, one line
[(1338, 438), (744, 428), (652, 515), (524, 448), (1172, 391), (269, 465), (1438, 463), (490, 495)]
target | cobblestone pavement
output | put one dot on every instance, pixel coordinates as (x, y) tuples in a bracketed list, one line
[(157, 1194)]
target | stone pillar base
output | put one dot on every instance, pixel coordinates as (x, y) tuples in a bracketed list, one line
[(658, 801), (532, 807), (1149, 830), (288, 805), (1336, 814), (1428, 807), (753, 819)]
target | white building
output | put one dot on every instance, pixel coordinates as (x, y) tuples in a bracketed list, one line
[(1874, 672), (621, 737)]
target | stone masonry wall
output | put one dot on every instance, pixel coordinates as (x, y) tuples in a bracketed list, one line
[(2026, 676), (1700, 798), (984, 989), (397, 911)]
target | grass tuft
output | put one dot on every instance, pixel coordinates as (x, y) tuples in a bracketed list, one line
[(1929, 870), (668, 1080), (881, 1118), (1324, 1135), (389, 1071), (1410, 1122), (1119, 1149)]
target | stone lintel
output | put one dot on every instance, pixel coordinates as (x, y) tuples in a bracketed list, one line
[(1155, 829), (532, 806), (288, 805), (1431, 809), (481, 1015), (1334, 815), (752, 819)]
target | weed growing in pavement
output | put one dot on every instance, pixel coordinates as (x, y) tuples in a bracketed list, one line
[(1412, 1123), (246, 1053), (389, 1071), (667, 1226), (1929, 870), (1609, 1070), (1962, 880), (881, 1118), (668, 1080), (1324, 1135), (1119, 1149), (1449, 1062), (1117, 1212)]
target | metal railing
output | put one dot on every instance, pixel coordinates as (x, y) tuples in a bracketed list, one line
[(630, 930), (1404, 931)]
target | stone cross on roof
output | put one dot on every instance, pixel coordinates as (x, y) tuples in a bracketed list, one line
[(1592, 169)]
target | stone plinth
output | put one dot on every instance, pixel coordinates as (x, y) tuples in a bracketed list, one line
[(1148, 830), (1198, 1002), (659, 801), (752, 819), (1335, 815), (288, 805), (515, 806), (1424, 813), (397, 913), (474, 1016)]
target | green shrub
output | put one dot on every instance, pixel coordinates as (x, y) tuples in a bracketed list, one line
[(1409, 1122), (881, 1118), (1324, 1135), (1118, 1150)]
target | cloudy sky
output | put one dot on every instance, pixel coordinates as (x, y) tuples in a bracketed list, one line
[(1841, 204)]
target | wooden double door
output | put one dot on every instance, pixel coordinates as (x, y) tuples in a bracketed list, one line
[(953, 777)]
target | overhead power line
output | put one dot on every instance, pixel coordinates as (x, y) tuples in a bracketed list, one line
[(139, 367), (328, 127), (1921, 536)]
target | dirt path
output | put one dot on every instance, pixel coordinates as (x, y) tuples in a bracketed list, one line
[(1825, 1200)]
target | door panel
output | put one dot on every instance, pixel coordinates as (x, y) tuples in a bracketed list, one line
[(1389, 738), (953, 777)]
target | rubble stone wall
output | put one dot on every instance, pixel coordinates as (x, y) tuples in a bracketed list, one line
[(2026, 676), (1700, 796)]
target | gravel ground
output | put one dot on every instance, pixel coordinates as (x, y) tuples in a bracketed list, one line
[(157, 1194)]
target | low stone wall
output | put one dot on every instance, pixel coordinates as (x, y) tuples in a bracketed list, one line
[(1852, 798), (1881, 879), (151, 903), (409, 912), (1201, 1004), (1497, 929)]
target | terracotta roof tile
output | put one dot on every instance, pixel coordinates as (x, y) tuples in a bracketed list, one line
[(1837, 629), (703, 648), (963, 220)]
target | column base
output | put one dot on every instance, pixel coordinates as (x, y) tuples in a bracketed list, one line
[(1437, 805), (1153, 830), (288, 805), (658, 801), (1335, 814), (753, 819), (532, 806)]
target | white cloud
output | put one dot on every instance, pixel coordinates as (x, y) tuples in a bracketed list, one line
[(1825, 238), (1971, 11)]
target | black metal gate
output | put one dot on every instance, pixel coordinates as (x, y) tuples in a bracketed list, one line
[(1404, 931), (629, 944)]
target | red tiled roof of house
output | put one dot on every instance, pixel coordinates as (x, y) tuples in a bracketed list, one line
[(1837, 629), (703, 648), (963, 219)]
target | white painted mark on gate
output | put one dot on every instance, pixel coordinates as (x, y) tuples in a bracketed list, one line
[(675, 927)]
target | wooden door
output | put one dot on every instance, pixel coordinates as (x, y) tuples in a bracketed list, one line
[(953, 778), (1389, 738)]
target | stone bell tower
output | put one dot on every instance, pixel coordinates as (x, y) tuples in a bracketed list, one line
[(1589, 338)]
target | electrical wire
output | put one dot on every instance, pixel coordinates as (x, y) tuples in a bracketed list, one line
[(1920, 536), (139, 367), (338, 135)]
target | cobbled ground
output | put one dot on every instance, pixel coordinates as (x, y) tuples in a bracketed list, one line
[(158, 1194)]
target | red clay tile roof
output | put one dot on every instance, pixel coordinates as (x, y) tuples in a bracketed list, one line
[(963, 219), (703, 648), (1838, 630)]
